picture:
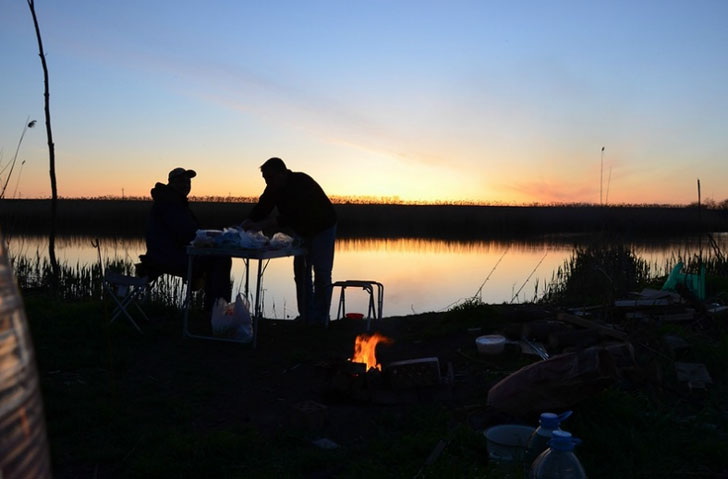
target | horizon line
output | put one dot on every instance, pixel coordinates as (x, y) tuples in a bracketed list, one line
[(395, 201)]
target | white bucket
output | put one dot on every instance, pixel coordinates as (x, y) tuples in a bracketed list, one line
[(490, 344)]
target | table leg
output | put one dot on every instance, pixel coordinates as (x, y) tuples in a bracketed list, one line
[(257, 312), (247, 277), (257, 308), (188, 298)]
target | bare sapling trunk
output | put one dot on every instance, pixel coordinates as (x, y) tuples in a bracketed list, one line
[(51, 150)]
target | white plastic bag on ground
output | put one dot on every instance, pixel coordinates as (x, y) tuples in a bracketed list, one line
[(232, 320)]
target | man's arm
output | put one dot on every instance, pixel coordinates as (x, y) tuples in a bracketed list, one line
[(259, 217)]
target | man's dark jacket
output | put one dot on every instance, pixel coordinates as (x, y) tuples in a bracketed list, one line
[(302, 205), (170, 227)]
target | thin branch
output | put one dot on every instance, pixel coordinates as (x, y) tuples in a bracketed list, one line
[(51, 148)]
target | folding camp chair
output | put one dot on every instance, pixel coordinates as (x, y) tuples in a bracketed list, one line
[(125, 291)]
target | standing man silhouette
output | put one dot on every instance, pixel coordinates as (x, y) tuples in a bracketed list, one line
[(303, 207)]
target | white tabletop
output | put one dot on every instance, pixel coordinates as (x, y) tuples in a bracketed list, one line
[(257, 253)]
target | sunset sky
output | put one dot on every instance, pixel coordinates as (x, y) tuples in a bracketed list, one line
[(485, 101)]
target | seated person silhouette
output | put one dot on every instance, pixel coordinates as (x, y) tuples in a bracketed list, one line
[(171, 227)]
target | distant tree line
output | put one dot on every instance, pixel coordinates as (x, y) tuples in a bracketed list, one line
[(127, 217), (708, 203)]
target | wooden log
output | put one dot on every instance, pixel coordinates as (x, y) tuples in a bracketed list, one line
[(637, 303), (687, 315), (580, 338), (539, 330), (586, 323)]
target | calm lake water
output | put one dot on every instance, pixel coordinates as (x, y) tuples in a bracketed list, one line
[(419, 275)]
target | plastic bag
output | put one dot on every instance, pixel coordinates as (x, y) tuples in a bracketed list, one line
[(253, 239), (695, 283), (205, 238), (232, 320), (238, 238), (280, 241)]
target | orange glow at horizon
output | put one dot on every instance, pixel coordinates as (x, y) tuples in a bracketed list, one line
[(365, 349), (408, 184)]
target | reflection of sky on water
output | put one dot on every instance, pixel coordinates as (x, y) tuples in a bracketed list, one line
[(418, 275)]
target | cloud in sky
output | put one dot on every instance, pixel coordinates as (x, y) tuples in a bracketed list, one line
[(549, 191)]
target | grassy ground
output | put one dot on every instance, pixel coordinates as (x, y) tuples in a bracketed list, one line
[(119, 404)]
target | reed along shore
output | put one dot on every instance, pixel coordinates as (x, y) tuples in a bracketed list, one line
[(127, 218)]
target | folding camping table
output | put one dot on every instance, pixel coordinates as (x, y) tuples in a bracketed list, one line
[(262, 255)]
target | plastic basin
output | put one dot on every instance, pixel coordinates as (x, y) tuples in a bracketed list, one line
[(490, 344), (507, 442)]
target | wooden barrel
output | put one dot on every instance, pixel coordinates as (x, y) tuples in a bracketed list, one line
[(23, 441)]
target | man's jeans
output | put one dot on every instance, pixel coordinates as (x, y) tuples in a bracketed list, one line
[(314, 294)]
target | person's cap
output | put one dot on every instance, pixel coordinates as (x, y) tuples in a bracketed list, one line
[(181, 172)]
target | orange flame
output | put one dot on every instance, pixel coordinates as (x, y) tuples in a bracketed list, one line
[(364, 349)]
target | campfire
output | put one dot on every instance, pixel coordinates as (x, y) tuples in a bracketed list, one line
[(363, 378), (365, 347)]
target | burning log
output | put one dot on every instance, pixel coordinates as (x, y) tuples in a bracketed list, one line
[(349, 380), (362, 377), (365, 349), (357, 377)]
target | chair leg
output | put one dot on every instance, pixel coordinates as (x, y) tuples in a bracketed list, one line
[(341, 311), (121, 309), (132, 296), (380, 299), (370, 310), (144, 315)]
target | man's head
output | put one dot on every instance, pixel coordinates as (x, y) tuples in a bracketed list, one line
[(179, 180), (274, 172)]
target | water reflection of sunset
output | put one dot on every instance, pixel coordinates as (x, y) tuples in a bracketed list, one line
[(439, 246), (419, 275), (428, 275)]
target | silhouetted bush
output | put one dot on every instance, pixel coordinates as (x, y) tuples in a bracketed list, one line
[(597, 274)]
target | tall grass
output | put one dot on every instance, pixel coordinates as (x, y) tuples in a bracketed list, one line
[(84, 282), (599, 273)]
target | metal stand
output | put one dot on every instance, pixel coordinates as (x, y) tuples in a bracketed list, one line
[(368, 286)]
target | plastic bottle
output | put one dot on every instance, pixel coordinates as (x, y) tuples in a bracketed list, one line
[(559, 460), (539, 439)]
